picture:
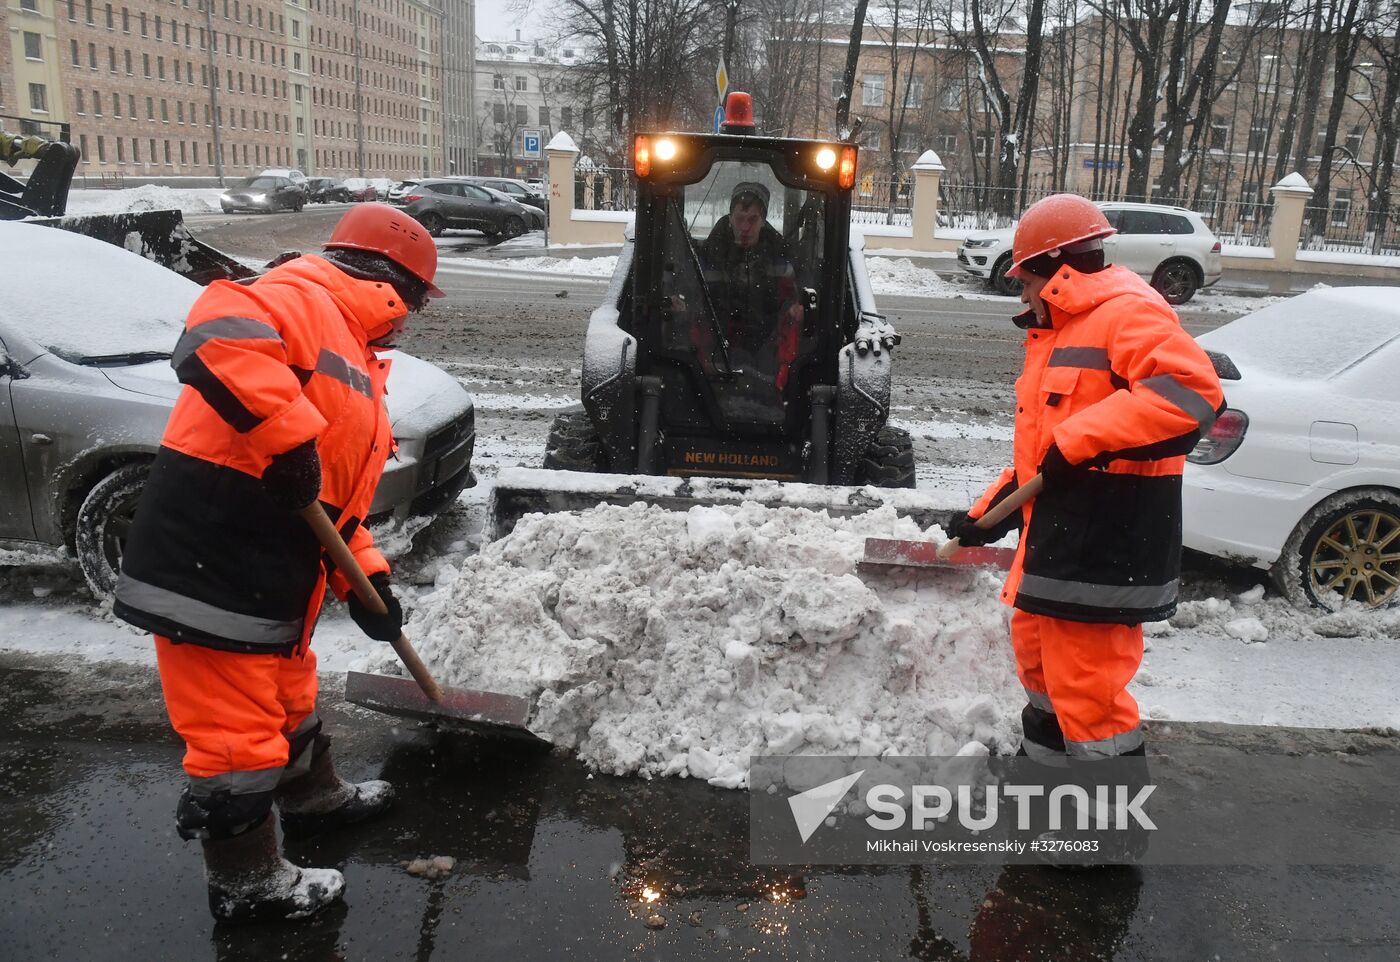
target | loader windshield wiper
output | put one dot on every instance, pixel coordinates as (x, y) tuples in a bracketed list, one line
[(123, 360), (715, 328)]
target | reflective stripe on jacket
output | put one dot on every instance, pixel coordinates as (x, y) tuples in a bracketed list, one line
[(210, 559), (1117, 384)]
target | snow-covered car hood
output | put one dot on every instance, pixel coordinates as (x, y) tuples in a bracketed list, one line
[(418, 395)]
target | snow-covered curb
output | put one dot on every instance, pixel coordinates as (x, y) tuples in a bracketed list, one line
[(191, 200)]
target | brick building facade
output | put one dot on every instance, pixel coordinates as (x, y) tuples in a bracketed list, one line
[(175, 88)]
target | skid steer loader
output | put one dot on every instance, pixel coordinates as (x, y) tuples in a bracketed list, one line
[(738, 339), (158, 235)]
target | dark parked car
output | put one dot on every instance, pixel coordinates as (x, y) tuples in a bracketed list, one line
[(439, 204), (327, 190), (263, 193), (516, 190)]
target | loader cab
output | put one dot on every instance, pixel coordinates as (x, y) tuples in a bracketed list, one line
[(738, 298)]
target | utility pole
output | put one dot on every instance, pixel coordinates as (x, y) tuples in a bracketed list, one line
[(359, 97), (213, 91), (732, 15)]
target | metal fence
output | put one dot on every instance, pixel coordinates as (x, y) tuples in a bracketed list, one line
[(605, 188), (883, 200), (1243, 223), (1345, 229), (965, 206)]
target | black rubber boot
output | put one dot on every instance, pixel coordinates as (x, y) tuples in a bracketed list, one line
[(321, 800), (250, 881)]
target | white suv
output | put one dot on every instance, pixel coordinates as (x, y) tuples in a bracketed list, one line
[(1169, 246)]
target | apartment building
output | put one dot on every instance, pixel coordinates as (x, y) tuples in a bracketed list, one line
[(203, 87)]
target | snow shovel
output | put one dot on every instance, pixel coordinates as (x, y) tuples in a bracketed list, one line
[(485, 712), (892, 552)]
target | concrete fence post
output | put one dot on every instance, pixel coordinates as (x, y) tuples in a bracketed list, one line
[(563, 155), (928, 174), (1286, 221)]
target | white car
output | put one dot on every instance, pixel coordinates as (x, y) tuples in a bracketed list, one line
[(1171, 247), (1301, 475), (291, 173)]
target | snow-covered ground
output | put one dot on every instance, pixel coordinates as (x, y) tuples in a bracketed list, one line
[(667, 643), (191, 200)]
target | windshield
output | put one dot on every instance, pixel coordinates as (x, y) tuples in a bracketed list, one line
[(262, 183), (80, 298), (743, 255)]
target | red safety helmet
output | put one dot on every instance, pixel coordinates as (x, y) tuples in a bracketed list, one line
[(389, 231), (1054, 223)]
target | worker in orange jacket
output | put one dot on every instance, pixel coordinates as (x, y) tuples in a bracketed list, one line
[(1113, 394), (283, 405)]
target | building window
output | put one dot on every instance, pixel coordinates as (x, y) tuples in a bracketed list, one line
[(498, 113), (110, 18), (1258, 137), (101, 149), (34, 47), (78, 101), (297, 91), (873, 90), (1354, 139), (127, 55), (981, 144), (112, 59), (544, 116), (522, 114), (498, 82), (520, 84), (146, 64), (836, 87), (1341, 208), (566, 116), (150, 108), (97, 103), (952, 96), (33, 7), (914, 95), (126, 20), (116, 105), (39, 98), (947, 144), (121, 156), (165, 111)]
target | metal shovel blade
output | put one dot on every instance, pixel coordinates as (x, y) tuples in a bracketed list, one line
[(896, 552), (464, 709)]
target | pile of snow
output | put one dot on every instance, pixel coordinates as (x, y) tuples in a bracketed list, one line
[(575, 266), (199, 200), (1252, 617), (667, 643), (901, 276)]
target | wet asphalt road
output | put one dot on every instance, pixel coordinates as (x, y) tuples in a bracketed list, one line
[(553, 863)]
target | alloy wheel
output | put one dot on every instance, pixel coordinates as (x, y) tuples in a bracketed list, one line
[(1358, 558)]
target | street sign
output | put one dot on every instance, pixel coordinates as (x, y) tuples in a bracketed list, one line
[(721, 80), (719, 118), (531, 144)]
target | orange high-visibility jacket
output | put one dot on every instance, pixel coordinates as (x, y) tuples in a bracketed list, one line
[(1117, 384), (211, 559)]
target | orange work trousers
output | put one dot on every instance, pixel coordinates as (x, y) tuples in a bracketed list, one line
[(239, 714), (1076, 678)]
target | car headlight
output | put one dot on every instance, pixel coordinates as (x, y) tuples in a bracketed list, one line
[(979, 242)]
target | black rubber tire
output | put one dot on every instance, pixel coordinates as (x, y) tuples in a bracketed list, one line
[(513, 227), (1177, 281), (1001, 283), (574, 445), (888, 461), (432, 222), (104, 518), (1289, 573)]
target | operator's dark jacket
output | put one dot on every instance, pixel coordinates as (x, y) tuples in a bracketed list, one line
[(751, 290)]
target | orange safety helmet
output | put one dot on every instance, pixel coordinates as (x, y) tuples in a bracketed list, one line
[(1054, 223), (387, 230)]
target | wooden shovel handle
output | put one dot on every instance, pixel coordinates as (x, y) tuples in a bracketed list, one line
[(996, 515), (345, 561)]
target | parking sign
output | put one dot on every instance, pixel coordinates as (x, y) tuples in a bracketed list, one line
[(531, 143)]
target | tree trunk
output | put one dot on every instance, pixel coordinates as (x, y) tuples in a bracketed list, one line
[(1341, 84), (848, 76)]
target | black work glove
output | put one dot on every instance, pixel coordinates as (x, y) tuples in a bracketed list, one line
[(969, 535), (1057, 471), (293, 479), (385, 627)]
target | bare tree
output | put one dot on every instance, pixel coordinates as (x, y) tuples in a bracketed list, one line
[(848, 75), (1384, 41), (1349, 37), (1009, 123)]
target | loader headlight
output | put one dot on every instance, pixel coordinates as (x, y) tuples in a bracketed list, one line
[(826, 158), (665, 149)]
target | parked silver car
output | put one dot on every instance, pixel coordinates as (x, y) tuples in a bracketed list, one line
[(86, 388)]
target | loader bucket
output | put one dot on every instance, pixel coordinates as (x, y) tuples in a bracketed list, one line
[(522, 491), (160, 236)]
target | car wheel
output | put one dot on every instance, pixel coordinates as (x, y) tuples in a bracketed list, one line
[(514, 227), (432, 222), (1176, 281), (1344, 551), (1003, 283), (104, 520)]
